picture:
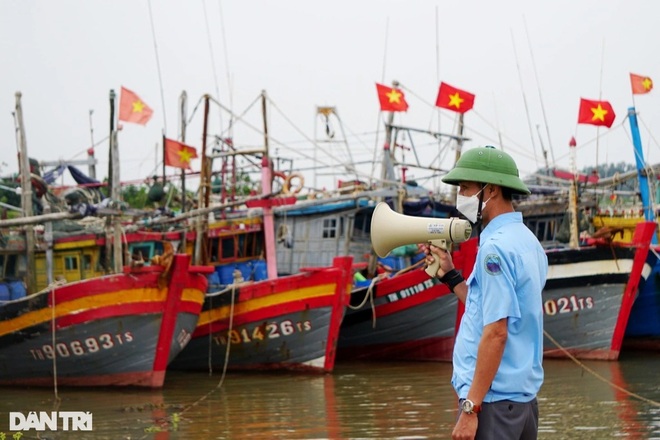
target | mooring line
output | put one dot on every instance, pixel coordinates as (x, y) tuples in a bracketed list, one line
[(598, 376)]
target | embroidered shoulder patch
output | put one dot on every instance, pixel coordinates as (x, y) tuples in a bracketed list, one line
[(492, 264)]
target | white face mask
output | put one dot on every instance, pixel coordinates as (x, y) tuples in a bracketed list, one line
[(469, 205)]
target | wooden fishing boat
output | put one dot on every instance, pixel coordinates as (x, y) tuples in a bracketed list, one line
[(409, 316), (615, 223), (253, 317), (589, 294), (116, 330), (291, 323)]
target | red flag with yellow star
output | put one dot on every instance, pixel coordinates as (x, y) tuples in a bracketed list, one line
[(132, 108), (178, 154), (596, 113), (391, 100), (451, 98), (640, 84)]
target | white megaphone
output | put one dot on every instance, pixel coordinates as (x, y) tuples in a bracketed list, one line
[(390, 230)]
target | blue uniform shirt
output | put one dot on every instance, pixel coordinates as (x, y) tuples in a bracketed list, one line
[(506, 282)]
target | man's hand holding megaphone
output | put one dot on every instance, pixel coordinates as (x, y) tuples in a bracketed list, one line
[(446, 271)]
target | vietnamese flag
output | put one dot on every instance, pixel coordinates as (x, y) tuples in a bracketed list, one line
[(596, 113), (178, 154), (132, 108), (640, 84), (391, 100), (451, 98)]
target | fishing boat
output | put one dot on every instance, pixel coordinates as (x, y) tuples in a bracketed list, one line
[(253, 317), (589, 295), (288, 323), (408, 316), (116, 330), (598, 284), (643, 330)]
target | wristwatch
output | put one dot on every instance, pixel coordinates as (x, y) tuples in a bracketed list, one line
[(469, 407)]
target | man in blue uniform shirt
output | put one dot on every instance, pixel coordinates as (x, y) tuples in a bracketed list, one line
[(498, 352)]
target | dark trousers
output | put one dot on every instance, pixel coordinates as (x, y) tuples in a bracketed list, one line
[(507, 420)]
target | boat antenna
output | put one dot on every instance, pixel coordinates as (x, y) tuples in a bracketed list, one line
[(522, 90), (382, 80), (160, 76), (538, 87), (387, 31), (437, 180), (226, 53), (497, 124), (211, 51), (600, 94)]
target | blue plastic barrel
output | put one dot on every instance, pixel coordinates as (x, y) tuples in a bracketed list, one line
[(17, 289), (5, 294), (246, 270), (214, 282), (260, 270), (226, 273)]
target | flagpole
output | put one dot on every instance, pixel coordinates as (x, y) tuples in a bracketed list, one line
[(641, 168), (164, 171), (90, 150), (183, 102)]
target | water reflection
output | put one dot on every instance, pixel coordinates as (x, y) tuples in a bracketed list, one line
[(359, 400), (582, 404)]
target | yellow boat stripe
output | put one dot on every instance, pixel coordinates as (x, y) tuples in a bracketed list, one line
[(251, 305), (78, 245), (86, 303)]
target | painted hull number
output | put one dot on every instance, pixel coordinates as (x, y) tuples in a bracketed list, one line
[(271, 330), (567, 304), (91, 345)]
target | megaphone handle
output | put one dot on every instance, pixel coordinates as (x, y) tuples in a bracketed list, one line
[(432, 269)]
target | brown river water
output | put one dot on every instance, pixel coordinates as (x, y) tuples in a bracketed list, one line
[(599, 400)]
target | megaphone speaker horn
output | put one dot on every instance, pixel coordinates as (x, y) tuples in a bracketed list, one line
[(389, 230)]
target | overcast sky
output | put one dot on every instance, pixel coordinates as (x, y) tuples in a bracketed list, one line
[(527, 62)]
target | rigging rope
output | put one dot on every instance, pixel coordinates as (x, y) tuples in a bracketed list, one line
[(53, 329), (231, 289)]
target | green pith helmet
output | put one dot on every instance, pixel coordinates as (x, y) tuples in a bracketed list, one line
[(486, 165)]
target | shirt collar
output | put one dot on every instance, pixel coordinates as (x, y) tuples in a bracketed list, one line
[(499, 221)]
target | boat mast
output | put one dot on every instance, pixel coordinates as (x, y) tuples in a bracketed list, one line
[(641, 170), (90, 150), (183, 103), (459, 149), (115, 193), (26, 195), (203, 196), (572, 199), (266, 188), (387, 173)]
